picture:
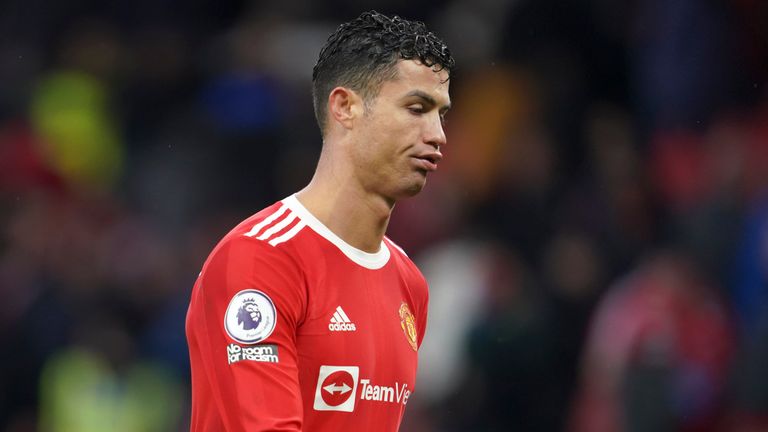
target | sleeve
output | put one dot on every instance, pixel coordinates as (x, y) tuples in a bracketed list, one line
[(248, 302)]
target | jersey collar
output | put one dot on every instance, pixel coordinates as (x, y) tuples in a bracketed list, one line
[(372, 261)]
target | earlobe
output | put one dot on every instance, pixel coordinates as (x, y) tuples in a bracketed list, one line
[(343, 106)]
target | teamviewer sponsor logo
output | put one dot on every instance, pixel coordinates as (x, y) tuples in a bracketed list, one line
[(340, 321), (336, 388), (381, 393)]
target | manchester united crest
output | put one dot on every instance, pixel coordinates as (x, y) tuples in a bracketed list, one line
[(408, 323)]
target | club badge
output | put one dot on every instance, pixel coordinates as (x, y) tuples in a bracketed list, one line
[(408, 323)]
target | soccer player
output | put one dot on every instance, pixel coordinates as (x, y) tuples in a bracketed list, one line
[(305, 316)]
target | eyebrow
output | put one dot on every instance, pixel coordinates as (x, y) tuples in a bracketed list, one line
[(428, 98)]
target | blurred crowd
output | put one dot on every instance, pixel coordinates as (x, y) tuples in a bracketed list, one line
[(596, 238)]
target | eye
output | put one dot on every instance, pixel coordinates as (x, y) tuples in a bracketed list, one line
[(416, 109)]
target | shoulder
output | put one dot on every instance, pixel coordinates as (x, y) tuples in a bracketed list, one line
[(405, 263), (242, 263), (273, 225), (400, 255), (268, 231), (255, 245), (395, 247)]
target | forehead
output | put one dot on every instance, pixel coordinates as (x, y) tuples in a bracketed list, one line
[(413, 75)]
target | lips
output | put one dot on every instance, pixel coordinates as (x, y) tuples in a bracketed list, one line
[(429, 160)]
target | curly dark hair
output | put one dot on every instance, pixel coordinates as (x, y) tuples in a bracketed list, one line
[(363, 53)]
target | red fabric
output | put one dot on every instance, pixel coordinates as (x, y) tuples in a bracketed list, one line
[(308, 278)]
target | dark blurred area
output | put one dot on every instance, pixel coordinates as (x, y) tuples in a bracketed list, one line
[(596, 239)]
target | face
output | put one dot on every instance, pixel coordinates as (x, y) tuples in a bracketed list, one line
[(399, 139)]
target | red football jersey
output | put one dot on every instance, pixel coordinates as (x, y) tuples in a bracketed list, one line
[(290, 328)]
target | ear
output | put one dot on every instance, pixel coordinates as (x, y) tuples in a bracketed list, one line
[(344, 106)]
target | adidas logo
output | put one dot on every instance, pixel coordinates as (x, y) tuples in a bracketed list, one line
[(340, 321)]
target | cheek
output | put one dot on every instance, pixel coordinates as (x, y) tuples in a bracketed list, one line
[(404, 130), (383, 139), (388, 137)]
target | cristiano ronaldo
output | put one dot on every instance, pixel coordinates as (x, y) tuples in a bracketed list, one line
[(306, 316)]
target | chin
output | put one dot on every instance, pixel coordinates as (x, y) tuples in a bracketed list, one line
[(414, 188)]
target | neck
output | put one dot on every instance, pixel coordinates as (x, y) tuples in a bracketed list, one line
[(338, 200)]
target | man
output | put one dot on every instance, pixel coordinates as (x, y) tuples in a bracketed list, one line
[(305, 316)]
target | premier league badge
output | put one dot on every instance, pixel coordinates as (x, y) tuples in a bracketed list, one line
[(250, 317)]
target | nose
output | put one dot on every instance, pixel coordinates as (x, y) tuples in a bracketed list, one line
[(434, 134)]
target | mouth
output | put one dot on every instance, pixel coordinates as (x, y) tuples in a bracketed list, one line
[(428, 161)]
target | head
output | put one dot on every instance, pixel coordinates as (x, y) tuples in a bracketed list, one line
[(381, 85)]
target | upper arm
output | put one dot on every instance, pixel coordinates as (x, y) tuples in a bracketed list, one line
[(248, 302)]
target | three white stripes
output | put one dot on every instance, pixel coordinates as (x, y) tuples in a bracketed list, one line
[(277, 227), (268, 220)]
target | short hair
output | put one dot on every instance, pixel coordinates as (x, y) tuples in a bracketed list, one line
[(363, 53)]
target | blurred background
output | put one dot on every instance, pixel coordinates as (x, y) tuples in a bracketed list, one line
[(596, 239)]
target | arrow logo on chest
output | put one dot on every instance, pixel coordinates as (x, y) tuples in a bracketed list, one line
[(333, 388)]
